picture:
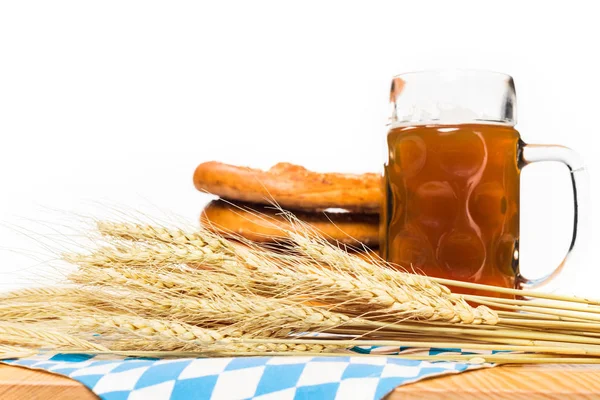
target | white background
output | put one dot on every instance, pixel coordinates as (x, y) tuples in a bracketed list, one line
[(113, 104)]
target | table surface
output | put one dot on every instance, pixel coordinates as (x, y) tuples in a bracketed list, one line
[(531, 382)]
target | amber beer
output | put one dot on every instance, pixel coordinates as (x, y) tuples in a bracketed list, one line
[(452, 201), (451, 178)]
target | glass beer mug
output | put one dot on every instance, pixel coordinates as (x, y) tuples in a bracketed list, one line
[(451, 181)]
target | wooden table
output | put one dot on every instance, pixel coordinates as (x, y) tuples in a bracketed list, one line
[(531, 382)]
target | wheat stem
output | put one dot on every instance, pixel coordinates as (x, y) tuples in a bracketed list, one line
[(543, 324), (442, 344), (543, 310), (515, 292), (585, 308)]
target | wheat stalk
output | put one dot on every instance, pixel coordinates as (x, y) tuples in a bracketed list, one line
[(200, 301), (158, 254), (168, 291), (36, 311), (205, 340), (515, 292), (326, 253), (363, 293), (188, 281), (358, 293), (10, 349), (247, 313), (153, 233), (23, 335), (427, 290), (36, 292), (7, 352)]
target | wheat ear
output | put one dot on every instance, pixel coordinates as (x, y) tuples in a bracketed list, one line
[(396, 296), (23, 335), (153, 233), (325, 253), (206, 340), (426, 290), (7, 351), (357, 293), (47, 292), (40, 310), (176, 280), (134, 254), (188, 245), (261, 316), (202, 301), (234, 255)]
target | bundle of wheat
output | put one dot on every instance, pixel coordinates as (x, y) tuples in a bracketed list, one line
[(167, 292)]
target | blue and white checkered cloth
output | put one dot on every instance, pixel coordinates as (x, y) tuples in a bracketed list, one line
[(344, 377)]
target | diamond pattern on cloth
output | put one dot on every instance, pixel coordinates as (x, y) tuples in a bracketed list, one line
[(369, 375)]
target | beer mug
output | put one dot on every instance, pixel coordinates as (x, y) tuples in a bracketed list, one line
[(451, 180)]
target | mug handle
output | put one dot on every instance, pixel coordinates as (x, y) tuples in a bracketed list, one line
[(533, 153)]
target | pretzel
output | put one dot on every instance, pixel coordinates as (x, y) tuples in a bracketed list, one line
[(266, 224), (291, 187)]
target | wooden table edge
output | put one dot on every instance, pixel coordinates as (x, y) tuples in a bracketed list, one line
[(530, 382), (18, 382)]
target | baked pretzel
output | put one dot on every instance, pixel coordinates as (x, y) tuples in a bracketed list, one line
[(291, 187), (265, 224)]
